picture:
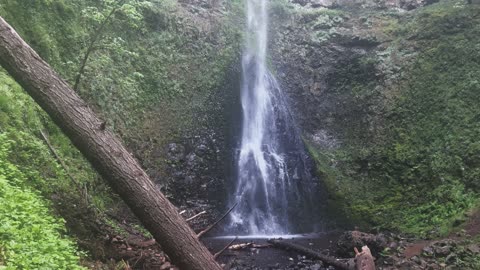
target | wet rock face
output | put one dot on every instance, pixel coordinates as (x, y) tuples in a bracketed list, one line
[(196, 170), (314, 55), (338, 66)]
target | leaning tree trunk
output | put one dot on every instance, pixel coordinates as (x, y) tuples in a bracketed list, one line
[(104, 151)]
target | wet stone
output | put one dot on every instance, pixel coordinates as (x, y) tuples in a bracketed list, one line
[(427, 251), (443, 251)]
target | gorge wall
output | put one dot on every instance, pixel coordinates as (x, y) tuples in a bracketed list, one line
[(384, 93)]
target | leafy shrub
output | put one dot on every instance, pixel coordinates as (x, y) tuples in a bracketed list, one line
[(30, 237)]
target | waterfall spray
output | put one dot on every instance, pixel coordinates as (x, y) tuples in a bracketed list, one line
[(273, 184)]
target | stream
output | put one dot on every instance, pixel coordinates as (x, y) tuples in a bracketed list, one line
[(272, 258)]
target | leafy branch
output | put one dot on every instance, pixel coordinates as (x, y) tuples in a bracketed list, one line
[(97, 35)]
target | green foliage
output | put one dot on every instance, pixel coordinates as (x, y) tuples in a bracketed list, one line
[(23, 120), (160, 81), (31, 166), (48, 34), (151, 74), (30, 237)]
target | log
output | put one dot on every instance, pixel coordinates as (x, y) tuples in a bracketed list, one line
[(310, 253), (104, 151), (364, 260), (247, 245), (241, 246)]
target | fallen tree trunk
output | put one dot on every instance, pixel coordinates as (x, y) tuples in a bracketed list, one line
[(311, 253), (104, 151)]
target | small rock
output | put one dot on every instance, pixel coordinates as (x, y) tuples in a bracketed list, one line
[(389, 260), (393, 245), (474, 248), (443, 251), (427, 251), (451, 258), (416, 259), (351, 239)]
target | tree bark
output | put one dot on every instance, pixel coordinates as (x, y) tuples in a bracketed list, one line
[(104, 151)]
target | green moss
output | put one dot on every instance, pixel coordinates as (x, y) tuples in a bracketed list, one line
[(151, 74), (417, 171)]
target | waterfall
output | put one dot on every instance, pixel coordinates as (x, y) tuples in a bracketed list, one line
[(274, 188)]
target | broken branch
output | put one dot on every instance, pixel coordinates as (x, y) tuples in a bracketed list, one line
[(195, 216), (225, 248), (64, 166), (209, 228)]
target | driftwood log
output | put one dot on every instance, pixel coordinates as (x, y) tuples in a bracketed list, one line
[(247, 245), (363, 260), (310, 253)]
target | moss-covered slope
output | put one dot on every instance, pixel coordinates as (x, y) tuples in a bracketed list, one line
[(156, 73), (387, 100)]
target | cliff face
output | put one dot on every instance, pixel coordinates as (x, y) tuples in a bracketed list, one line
[(383, 91)]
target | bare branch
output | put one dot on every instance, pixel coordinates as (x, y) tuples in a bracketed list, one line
[(197, 215), (225, 248), (209, 228)]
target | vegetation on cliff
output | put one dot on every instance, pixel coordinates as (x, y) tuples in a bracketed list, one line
[(402, 149), (151, 73), (409, 162)]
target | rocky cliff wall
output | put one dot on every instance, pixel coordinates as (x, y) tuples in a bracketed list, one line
[(380, 89)]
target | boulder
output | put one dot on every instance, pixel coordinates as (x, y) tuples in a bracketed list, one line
[(351, 239)]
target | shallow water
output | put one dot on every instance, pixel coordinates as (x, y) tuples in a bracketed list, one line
[(270, 258)]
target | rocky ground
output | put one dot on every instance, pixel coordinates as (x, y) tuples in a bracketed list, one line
[(391, 251), (129, 247)]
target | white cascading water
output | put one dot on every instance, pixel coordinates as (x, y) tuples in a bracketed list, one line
[(273, 181)]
